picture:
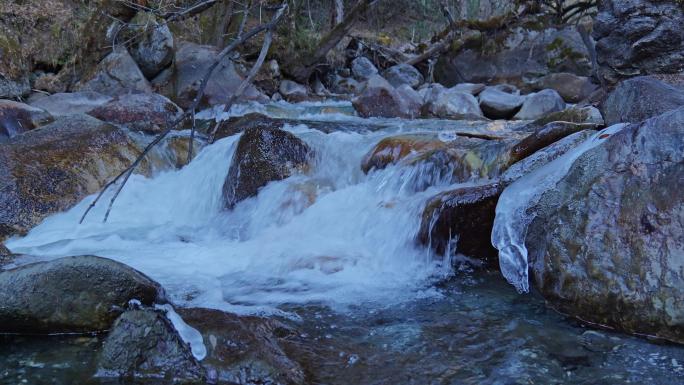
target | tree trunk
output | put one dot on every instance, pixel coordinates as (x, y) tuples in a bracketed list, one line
[(302, 71)]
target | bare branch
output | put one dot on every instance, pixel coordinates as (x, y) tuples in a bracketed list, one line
[(189, 112)]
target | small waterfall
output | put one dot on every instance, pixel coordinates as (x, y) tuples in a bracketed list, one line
[(334, 235)]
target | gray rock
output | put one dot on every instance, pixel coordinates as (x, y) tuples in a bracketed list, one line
[(381, 99), (639, 37), (72, 294), (14, 88), (75, 103), (144, 344), (507, 88), (469, 88), (153, 46), (572, 88), (149, 113), (497, 104), (540, 104), (50, 169), (524, 54), (431, 92), (16, 118), (587, 115), (293, 91), (117, 74), (362, 68), (403, 74), (605, 243), (342, 85), (191, 64), (640, 98), (453, 104), (263, 155), (412, 98)]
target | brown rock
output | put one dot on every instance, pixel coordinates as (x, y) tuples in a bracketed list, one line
[(263, 155)]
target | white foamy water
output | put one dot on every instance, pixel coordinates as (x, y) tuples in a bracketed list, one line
[(512, 216), (334, 235)]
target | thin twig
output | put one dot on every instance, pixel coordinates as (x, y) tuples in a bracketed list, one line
[(228, 49)]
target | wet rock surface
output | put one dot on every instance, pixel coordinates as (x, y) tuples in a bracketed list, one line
[(245, 349), (72, 294), (48, 170), (150, 113), (640, 98), (605, 243), (460, 221), (144, 344), (17, 118), (263, 155)]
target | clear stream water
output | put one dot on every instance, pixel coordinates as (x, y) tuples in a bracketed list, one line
[(333, 253)]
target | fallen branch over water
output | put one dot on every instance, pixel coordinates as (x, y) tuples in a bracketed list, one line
[(189, 113)]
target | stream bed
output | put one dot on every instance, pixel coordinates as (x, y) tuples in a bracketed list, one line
[(331, 253)]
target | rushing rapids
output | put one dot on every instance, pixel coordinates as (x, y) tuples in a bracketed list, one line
[(332, 252)]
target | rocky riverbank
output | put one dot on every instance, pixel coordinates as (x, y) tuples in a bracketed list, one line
[(550, 158)]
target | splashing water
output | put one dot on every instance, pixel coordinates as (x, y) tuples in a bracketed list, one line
[(512, 216), (334, 235)]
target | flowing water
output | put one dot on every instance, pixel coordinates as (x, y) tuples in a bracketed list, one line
[(332, 252)]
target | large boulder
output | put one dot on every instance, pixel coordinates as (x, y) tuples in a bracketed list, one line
[(453, 104), (50, 169), (72, 294), (403, 74), (641, 98), (191, 64), (150, 113), (605, 242), (381, 99), (263, 155), (144, 344), (362, 68), (540, 104), (242, 349), (117, 74), (639, 37), (461, 220), (62, 104), (497, 104), (572, 88), (16, 118), (523, 55), (152, 45)]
